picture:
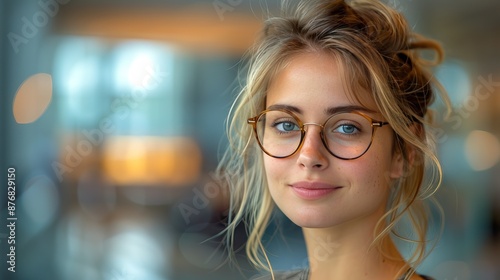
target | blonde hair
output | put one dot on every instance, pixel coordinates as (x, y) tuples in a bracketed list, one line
[(379, 53)]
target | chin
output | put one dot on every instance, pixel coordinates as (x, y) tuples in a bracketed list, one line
[(311, 220)]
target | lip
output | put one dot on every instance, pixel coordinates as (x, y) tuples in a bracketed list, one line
[(313, 190)]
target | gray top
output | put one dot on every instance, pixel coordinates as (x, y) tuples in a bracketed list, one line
[(304, 274), (287, 275)]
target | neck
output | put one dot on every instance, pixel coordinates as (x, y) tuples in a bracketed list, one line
[(347, 252)]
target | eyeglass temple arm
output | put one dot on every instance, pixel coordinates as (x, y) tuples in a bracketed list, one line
[(379, 124)]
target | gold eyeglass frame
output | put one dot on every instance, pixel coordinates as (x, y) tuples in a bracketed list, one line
[(374, 123)]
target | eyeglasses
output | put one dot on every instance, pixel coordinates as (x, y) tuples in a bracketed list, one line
[(346, 135)]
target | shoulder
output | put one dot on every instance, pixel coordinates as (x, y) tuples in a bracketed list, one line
[(286, 275)]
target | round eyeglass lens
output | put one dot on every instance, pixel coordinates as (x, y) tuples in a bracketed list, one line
[(348, 135), (279, 133)]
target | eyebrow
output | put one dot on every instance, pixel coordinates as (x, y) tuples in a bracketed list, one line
[(328, 111)]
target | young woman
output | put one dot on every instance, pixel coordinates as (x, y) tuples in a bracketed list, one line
[(332, 128)]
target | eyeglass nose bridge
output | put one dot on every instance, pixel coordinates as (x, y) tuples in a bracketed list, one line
[(322, 127), (311, 123), (321, 135)]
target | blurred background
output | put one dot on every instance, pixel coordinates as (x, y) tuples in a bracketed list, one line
[(112, 114)]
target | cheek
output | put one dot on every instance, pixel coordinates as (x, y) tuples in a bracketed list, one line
[(273, 170), (380, 158), (372, 170)]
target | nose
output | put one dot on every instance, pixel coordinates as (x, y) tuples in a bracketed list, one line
[(313, 154)]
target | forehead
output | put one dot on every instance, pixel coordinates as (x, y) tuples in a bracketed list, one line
[(317, 79)]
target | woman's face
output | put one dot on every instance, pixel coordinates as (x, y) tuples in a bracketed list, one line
[(312, 187)]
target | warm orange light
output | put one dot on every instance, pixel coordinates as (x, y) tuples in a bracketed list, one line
[(482, 150), (195, 28), (147, 160), (32, 98)]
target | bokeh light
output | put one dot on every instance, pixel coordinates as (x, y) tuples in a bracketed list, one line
[(40, 202), (32, 98), (482, 150)]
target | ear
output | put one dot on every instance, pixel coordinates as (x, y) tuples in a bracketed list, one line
[(404, 153), (397, 165)]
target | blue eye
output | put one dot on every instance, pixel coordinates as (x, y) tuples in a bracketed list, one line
[(347, 129), (286, 126)]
